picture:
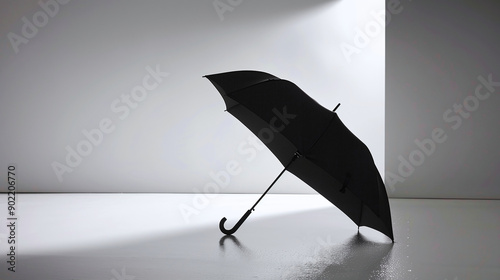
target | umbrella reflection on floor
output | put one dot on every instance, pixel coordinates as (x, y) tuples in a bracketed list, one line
[(356, 258), (240, 247)]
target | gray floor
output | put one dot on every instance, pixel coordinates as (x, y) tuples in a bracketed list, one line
[(147, 236)]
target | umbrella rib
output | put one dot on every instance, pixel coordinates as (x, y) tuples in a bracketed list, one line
[(361, 213), (227, 109), (323, 133), (252, 85)]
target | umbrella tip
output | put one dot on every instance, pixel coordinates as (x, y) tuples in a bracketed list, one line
[(336, 107)]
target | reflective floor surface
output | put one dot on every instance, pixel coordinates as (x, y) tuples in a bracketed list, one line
[(176, 236)]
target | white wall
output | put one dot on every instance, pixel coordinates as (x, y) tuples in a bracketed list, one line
[(70, 74), (436, 53)]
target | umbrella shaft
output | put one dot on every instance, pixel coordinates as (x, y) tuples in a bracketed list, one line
[(297, 155), (268, 189)]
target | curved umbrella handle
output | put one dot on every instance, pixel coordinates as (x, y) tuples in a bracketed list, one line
[(236, 226)]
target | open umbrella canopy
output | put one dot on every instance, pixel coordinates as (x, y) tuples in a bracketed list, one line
[(311, 142)]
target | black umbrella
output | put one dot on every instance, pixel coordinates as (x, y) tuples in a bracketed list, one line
[(311, 142)]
